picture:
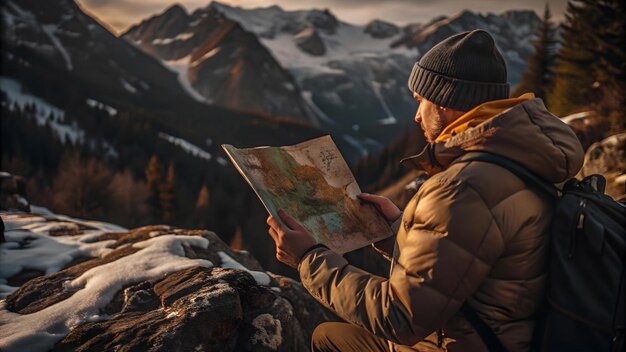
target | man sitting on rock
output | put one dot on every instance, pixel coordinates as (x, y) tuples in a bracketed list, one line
[(474, 233)]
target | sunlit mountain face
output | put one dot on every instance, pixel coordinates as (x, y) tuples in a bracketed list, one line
[(347, 79)]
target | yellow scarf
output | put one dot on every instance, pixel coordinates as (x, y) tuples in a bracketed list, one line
[(480, 114)]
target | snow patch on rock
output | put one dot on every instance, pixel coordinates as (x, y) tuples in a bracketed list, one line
[(39, 331), (165, 41), (202, 58), (129, 87), (229, 263), (186, 146), (580, 116), (181, 67), (96, 104), (31, 240), (50, 30)]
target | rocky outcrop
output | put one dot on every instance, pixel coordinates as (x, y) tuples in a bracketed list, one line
[(197, 309), (309, 41), (608, 158), (13, 193), (323, 19), (589, 126), (381, 29), (153, 287)]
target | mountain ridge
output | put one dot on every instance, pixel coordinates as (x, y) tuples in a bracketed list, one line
[(351, 76)]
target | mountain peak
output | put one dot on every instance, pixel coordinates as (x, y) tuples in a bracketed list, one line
[(521, 16), (467, 15), (175, 10), (323, 19), (166, 24), (220, 6), (381, 29)]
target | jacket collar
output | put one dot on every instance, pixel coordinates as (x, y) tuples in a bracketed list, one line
[(434, 158), (526, 133)]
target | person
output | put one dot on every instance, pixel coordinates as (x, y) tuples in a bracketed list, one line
[(473, 234)]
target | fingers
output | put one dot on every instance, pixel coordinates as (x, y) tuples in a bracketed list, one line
[(292, 223), (377, 201), (273, 234), (371, 197), (383, 204), (274, 223)]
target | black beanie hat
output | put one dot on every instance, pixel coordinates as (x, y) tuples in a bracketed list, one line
[(461, 72)]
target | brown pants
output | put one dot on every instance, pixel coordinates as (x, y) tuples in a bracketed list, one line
[(345, 337)]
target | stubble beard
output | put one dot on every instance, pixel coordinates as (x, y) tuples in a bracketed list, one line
[(434, 129)]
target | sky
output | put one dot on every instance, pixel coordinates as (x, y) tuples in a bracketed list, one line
[(118, 15)]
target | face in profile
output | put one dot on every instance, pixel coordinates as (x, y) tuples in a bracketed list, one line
[(430, 118)]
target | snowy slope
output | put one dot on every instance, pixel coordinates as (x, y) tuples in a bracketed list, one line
[(29, 245), (342, 82), (47, 243), (261, 60), (352, 77), (45, 112), (355, 75), (342, 41)]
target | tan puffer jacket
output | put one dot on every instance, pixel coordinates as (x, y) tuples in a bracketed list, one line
[(474, 232)]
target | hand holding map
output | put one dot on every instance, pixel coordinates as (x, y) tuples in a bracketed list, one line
[(312, 182)]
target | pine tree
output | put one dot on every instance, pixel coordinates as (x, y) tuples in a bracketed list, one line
[(573, 81), (610, 50), (591, 63), (154, 179), (168, 196), (540, 71)]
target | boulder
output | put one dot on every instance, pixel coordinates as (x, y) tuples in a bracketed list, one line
[(608, 158), (156, 287), (13, 193), (588, 126)]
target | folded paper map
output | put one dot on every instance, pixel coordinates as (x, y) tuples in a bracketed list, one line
[(312, 183)]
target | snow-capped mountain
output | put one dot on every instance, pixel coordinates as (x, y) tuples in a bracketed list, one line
[(76, 46), (348, 77), (513, 32), (56, 58), (220, 62), (352, 76)]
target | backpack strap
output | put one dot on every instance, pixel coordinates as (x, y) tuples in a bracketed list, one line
[(529, 178), (484, 331)]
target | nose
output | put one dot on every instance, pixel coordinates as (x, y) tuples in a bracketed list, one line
[(418, 117)]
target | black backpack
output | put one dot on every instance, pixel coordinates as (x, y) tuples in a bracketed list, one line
[(585, 307)]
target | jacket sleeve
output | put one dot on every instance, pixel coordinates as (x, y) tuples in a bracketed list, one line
[(450, 244), (386, 246)]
